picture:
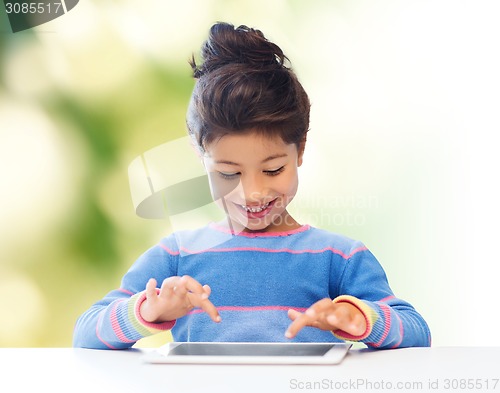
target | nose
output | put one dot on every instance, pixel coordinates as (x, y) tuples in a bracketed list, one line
[(253, 188)]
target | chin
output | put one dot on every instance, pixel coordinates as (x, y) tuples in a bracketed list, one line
[(253, 228), (258, 228), (246, 227)]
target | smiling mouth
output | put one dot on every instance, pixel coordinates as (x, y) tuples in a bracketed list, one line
[(255, 209)]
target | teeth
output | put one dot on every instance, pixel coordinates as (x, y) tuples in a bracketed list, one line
[(255, 209)]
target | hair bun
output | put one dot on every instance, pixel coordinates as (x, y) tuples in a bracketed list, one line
[(228, 45)]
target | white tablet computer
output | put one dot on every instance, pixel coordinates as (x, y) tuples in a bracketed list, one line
[(249, 353)]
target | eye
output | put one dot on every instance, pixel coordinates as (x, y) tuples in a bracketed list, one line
[(228, 176), (275, 171)]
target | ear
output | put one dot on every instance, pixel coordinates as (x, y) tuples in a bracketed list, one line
[(300, 150)]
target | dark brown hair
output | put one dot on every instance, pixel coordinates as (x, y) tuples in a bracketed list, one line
[(244, 84)]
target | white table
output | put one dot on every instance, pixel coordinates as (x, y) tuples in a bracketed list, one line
[(437, 369)]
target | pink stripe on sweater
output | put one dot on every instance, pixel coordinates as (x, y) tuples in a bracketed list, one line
[(255, 308), (168, 249), (270, 250), (116, 325), (387, 324), (150, 325), (126, 291)]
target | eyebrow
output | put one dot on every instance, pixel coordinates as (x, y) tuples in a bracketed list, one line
[(270, 158)]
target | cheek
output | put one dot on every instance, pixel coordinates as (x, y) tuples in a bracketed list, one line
[(288, 184)]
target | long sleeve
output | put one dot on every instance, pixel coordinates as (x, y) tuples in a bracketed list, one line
[(391, 322), (255, 279), (114, 322)]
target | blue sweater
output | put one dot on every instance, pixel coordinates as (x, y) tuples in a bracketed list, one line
[(255, 279)]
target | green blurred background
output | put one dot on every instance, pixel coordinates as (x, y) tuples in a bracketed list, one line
[(401, 153)]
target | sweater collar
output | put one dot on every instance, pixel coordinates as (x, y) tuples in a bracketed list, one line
[(224, 229)]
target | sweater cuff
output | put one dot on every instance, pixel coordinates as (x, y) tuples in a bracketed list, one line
[(369, 313), (142, 326)]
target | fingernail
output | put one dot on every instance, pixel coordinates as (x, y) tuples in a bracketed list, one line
[(288, 334), (218, 318), (310, 312)]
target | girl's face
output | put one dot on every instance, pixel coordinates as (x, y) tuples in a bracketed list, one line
[(253, 178)]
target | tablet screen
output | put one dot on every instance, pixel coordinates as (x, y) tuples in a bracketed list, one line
[(253, 349)]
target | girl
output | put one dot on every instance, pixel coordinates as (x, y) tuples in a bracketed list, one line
[(259, 275)]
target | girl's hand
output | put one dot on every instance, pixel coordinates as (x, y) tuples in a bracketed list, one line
[(177, 296), (326, 315)]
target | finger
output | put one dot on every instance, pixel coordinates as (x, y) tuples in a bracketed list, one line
[(177, 286), (168, 285), (151, 288), (320, 311), (293, 314), (197, 299), (192, 285), (298, 324), (309, 318), (167, 288), (320, 307), (207, 290), (171, 282), (211, 310), (206, 305)]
